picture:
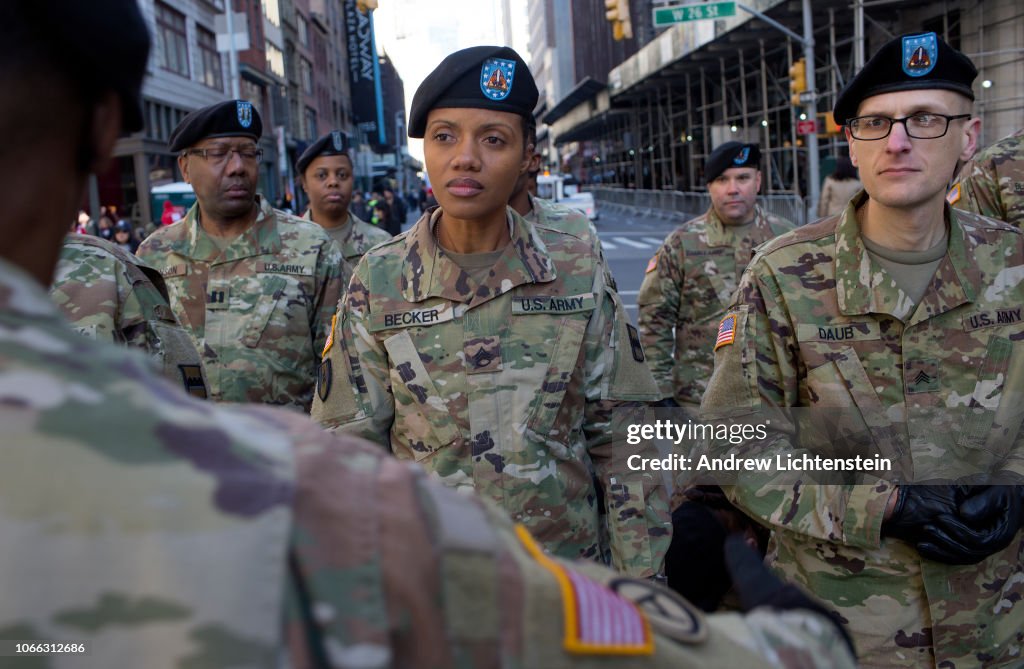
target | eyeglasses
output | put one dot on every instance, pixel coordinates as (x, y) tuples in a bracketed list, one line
[(221, 154), (926, 125)]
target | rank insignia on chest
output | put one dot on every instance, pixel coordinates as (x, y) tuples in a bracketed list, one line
[(192, 378), (921, 376), (726, 331)]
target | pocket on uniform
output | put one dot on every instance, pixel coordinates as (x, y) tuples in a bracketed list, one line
[(544, 412), (992, 420), (256, 323), (424, 412)]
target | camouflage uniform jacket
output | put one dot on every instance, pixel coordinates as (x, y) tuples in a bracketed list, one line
[(992, 183), (507, 387), (354, 238), (108, 294), (820, 325), (188, 545), (687, 287), (258, 311), (548, 214)]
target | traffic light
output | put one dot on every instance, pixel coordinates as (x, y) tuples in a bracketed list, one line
[(797, 81), (828, 124), (366, 5), (617, 11)]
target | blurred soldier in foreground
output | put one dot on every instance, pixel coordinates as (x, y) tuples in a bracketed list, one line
[(992, 183), (255, 287), (493, 351), (691, 279), (897, 322), (326, 174), (244, 537), (107, 294)]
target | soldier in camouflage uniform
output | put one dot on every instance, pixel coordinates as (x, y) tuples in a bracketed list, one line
[(326, 174), (247, 537), (692, 277), (899, 319), (107, 294), (490, 350), (992, 183), (255, 287)]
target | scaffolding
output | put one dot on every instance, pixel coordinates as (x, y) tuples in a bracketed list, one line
[(657, 133)]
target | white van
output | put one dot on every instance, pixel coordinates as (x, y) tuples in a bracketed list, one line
[(554, 187)]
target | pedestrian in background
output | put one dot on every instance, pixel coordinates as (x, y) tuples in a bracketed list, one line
[(838, 188), (992, 183)]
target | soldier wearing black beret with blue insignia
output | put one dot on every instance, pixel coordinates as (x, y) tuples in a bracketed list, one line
[(326, 173), (901, 315), (690, 279), (255, 287), (489, 349)]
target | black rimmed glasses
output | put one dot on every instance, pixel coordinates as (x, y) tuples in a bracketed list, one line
[(925, 125), (218, 155)]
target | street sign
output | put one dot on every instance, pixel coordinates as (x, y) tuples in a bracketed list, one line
[(666, 16), (809, 127), (807, 97)]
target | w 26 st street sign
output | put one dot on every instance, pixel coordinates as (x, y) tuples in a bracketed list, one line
[(666, 16)]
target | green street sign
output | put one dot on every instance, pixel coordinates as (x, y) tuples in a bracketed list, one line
[(666, 16)]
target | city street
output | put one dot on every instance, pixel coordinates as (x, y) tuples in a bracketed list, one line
[(629, 243)]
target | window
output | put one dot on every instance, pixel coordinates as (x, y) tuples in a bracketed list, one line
[(311, 122), (303, 29), (272, 12), (275, 60), (210, 59), (306, 76), (170, 27)]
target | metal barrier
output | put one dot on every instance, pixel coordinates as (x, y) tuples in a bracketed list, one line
[(673, 204)]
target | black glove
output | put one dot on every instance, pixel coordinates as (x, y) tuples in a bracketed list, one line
[(694, 563), (918, 505), (757, 586), (985, 524)]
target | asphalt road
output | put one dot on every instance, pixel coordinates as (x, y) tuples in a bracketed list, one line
[(629, 244)]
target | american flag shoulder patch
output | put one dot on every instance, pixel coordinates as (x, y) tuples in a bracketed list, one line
[(651, 264), (953, 196), (597, 620), (330, 337), (726, 331)]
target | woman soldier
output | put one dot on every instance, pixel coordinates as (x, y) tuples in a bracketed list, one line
[(325, 173), (491, 350)]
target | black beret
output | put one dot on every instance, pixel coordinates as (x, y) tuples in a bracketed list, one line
[(105, 45), (908, 62), (483, 77), (334, 143), (234, 118), (731, 154)]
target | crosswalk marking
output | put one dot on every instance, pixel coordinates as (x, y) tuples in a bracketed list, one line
[(608, 246), (629, 242), (653, 240)]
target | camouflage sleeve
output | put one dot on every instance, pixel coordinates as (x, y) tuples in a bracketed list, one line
[(354, 383), (658, 306), (616, 377), (329, 270), (393, 569), (979, 190), (756, 377)]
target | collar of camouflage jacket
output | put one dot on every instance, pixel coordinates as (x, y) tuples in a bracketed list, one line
[(261, 238), (427, 272), (718, 235), (348, 248), (864, 287)]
